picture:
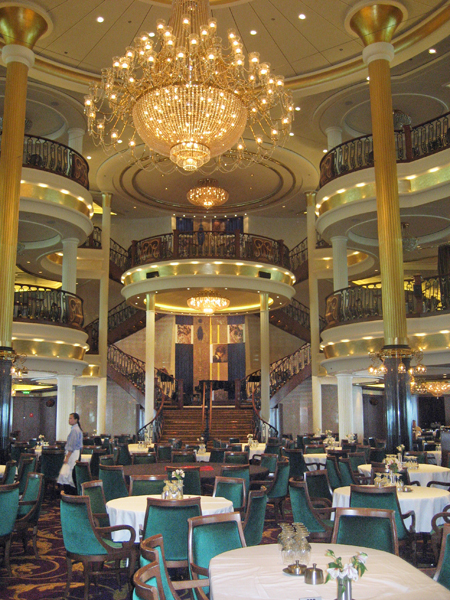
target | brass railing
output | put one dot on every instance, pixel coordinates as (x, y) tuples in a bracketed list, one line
[(411, 143), (209, 244), (116, 316), (363, 302), (46, 305), (117, 253), (299, 254), (48, 155)]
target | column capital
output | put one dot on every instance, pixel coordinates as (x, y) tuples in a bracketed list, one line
[(311, 198), (106, 199), (378, 51), (376, 20), (23, 23), (339, 238), (332, 129), (15, 53), (70, 242)]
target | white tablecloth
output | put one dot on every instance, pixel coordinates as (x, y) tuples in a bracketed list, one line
[(315, 458), (256, 573), (2, 470), (131, 511), (204, 457), (423, 474), (137, 449), (259, 449), (425, 502), (435, 457)]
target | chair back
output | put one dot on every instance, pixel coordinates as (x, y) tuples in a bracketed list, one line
[(377, 455), (315, 449), (370, 527), (233, 440), (163, 452), (299, 444), (51, 462), (9, 507), (364, 448), (304, 512), (26, 466), (234, 447), (147, 582), (143, 459), (191, 482), (279, 488), (124, 457), (146, 485), (10, 472), (253, 525), (217, 455), (209, 536), (17, 449), (356, 459), (31, 500), (233, 489), (346, 471), (442, 574), (217, 443), (362, 496), (273, 449), (113, 482), (107, 460), (82, 474), (297, 464), (170, 519), (152, 549), (184, 457), (95, 460), (318, 484), (94, 490), (269, 461), (236, 458), (241, 471), (334, 475)]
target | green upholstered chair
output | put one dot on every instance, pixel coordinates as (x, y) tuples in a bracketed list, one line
[(348, 476), (442, 574), (143, 459), (317, 520), (87, 450), (362, 496), (217, 444), (273, 449), (334, 475), (147, 583), (16, 450), (30, 509), (97, 452), (32, 443), (9, 506), (191, 482), (170, 519), (299, 443), (253, 525), (146, 485), (107, 460), (234, 448), (278, 490), (314, 449), (369, 527), (364, 448), (163, 452), (183, 457), (241, 471), (217, 455), (356, 459), (268, 461), (10, 472), (82, 473), (377, 455), (114, 484), (51, 462), (94, 490), (234, 440), (236, 458), (209, 536), (26, 466), (233, 489), (297, 465), (319, 486), (124, 457), (91, 545)]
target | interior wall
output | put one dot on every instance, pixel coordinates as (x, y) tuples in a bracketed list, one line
[(291, 231), (124, 230), (374, 415), (32, 417), (330, 411)]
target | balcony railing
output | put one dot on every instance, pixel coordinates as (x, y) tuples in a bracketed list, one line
[(117, 254), (411, 143), (45, 305), (299, 254), (364, 303), (209, 244), (48, 155), (116, 316)]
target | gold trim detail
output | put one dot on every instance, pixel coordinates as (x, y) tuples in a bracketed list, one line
[(48, 194), (34, 349), (376, 23), (22, 25)]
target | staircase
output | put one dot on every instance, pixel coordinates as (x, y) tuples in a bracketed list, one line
[(231, 422), (185, 424)]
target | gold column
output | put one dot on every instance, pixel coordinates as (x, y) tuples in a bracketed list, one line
[(375, 24)]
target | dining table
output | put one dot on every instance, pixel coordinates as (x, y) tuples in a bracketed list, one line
[(208, 471), (423, 473), (253, 450), (319, 458), (139, 448), (256, 573), (131, 511), (424, 501)]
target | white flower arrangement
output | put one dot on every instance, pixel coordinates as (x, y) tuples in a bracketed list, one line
[(392, 463), (249, 436), (352, 570), (201, 439), (178, 474), (328, 432), (401, 448)]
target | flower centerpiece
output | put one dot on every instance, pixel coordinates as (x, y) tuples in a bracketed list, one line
[(41, 439), (178, 476), (392, 463), (251, 441), (201, 445), (345, 574)]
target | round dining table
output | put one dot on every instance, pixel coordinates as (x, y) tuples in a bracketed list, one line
[(310, 459), (131, 511), (424, 501), (208, 471), (423, 473), (256, 573)]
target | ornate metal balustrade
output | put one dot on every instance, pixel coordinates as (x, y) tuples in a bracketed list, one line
[(117, 253), (116, 316), (46, 305), (363, 302), (299, 254), (411, 143), (48, 155), (209, 244)]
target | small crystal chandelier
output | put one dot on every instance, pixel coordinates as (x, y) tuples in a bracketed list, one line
[(409, 243), (436, 388), (207, 194), (208, 301), (378, 366), (188, 98)]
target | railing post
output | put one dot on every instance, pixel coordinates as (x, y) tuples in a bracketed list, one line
[(418, 295), (237, 393), (180, 393), (237, 243), (176, 237), (133, 252), (408, 142)]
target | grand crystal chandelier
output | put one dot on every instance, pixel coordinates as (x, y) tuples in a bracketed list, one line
[(208, 302), (188, 98), (207, 194), (436, 388)]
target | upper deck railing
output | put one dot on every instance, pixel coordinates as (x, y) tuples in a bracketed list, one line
[(411, 143), (46, 305)]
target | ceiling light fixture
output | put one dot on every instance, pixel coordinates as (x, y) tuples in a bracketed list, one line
[(207, 194), (409, 243), (188, 99), (208, 302)]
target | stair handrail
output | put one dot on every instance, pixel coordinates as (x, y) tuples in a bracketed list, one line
[(116, 316), (153, 429), (117, 253), (262, 430)]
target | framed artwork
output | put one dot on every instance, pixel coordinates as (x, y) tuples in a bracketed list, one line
[(236, 334), (219, 353), (184, 334)]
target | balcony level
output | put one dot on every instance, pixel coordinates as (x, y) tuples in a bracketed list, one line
[(354, 327), (346, 202), (176, 265), (47, 329)]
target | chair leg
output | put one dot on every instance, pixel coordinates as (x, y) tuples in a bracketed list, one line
[(35, 530), (87, 581), (6, 559), (69, 577)]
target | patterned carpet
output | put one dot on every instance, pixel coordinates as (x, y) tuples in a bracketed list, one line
[(45, 578)]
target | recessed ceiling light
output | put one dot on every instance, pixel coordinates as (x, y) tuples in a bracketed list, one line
[(291, 134), (432, 51), (253, 32), (301, 16), (152, 34), (100, 19), (89, 157), (324, 150), (368, 78), (297, 108)]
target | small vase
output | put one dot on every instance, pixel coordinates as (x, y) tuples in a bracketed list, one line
[(344, 589), (179, 486)]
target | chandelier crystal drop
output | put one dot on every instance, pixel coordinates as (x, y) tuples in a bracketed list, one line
[(189, 98), (207, 194), (208, 302)]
